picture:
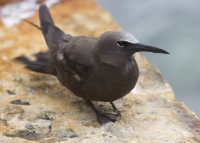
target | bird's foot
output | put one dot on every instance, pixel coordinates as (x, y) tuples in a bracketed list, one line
[(106, 117)]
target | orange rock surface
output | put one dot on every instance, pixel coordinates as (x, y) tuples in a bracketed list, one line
[(149, 113)]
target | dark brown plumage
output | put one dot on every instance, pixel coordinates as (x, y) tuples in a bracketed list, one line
[(100, 69)]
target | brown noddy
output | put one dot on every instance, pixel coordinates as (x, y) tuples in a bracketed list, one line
[(98, 69)]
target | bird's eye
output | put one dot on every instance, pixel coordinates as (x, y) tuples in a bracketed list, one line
[(120, 44)]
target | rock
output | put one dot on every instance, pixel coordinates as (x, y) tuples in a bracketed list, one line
[(3, 2), (35, 130), (148, 114), (67, 133), (10, 92), (19, 102)]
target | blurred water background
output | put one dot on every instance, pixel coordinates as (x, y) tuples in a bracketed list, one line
[(173, 25)]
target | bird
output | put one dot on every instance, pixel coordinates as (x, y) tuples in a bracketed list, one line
[(94, 68)]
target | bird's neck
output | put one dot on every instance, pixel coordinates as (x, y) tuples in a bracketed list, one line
[(115, 60)]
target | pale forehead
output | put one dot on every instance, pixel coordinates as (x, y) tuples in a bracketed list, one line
[(120, 36)]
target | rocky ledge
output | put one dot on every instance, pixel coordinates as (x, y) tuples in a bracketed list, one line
[(148, 114)]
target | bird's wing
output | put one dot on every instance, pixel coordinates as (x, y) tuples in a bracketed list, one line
[(79, 50), (71, 56), (45, 14)]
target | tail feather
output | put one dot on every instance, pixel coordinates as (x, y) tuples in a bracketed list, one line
[(52, 35), (41, 65)]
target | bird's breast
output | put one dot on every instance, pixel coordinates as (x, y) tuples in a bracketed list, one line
[(124, 77), (109, 83)]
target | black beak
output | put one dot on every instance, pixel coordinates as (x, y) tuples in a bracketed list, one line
[(140, 47)]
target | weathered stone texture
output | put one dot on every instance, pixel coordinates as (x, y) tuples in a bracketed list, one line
[(148, 114)]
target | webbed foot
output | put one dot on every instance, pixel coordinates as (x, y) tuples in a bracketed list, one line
[(104, 117)]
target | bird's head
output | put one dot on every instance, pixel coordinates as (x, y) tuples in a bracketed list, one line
[(118, 46)]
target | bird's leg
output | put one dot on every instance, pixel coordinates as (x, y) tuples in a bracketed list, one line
[(102, 117), (114, 107)]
